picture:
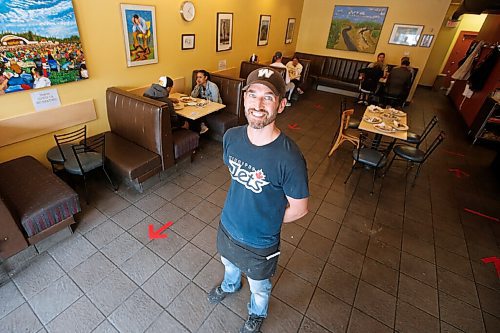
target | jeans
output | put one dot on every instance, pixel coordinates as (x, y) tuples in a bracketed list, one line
[(260, 289)]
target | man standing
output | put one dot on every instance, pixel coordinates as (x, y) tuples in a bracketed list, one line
[(205, 89), (269, 187)]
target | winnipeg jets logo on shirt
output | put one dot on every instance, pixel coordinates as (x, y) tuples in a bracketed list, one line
[(252, 180), (265, 72)]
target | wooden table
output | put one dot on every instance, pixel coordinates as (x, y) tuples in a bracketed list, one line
[(196, 112), (365, 126)]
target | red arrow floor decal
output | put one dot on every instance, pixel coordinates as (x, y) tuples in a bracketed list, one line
[(459, 173), (495, 261), (158, 233), (318, 106), (482, 215), (294, 126)]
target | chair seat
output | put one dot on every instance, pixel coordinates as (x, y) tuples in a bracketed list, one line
[(54, 154), (413, 138), (370, 157), (89, 160), (410, 153), (353, 123)]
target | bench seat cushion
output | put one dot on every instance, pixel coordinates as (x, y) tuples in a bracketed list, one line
[(36, 197), (128, 158), (185, 141), (220, 122), (337, 83)]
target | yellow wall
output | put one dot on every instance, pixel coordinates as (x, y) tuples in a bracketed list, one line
[(317, 16), (445, 42), (100, 27)]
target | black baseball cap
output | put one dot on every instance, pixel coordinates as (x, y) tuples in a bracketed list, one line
[(269, 77)]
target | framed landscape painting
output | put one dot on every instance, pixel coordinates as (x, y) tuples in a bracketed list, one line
[(264, 25), (356, 28), (139, 33), (224, 32), (39, 45)]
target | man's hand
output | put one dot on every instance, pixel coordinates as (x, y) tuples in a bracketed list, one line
[(174, 100), (296, 209)]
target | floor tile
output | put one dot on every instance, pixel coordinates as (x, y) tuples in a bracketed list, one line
[(104, 234), (150, 203), (136, 313), (325, 227), (419, 269), (167, 247), (316, 245), (202, 188), (206, 211), (165, 285), (168, 212), (141, 230), (169, 191), (454, 262), (129, 217), (331, 212), (72, 252), (221, 320), (310, 326), (490, 300), (55, 298), (21, 319), (166, 323), (92, 271), (292, 233), (294, 291), (185, 180), (191, 267), (347, 259), (492, 323), (305, 266), (361, 322), (105, 327), (187, 200), (142, 265), (353, 239), (460, 314), (40, 273), (281, 318), (122, 248), (88, 219), (457, 286), (191, 307), (419, 248), (111, 292), (321, 308), (380, 276), (81, 317), (218, 197), (418, 294), (211, 275), (188, 226), (383, 253), (11, 298), (376, 303), (206, 240)]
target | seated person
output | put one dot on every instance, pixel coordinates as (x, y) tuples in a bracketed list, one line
[(380, 62), (408, 67), (277, 62), (294, 68), (368, 85), (399, 82), (205, 89), (160, 92)]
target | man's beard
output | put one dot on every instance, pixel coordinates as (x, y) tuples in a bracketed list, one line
[(260, 123)]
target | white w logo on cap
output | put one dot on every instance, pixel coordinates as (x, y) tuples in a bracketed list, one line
[(265, 72)]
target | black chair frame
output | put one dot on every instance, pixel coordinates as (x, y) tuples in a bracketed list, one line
[(428, 128)]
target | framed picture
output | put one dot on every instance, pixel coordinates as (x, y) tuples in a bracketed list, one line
[(289, 31), (356, 28), (139, 34), (27, 60), (264, 25), (188, 41), (224, 32), (426, 40), (406, 34)]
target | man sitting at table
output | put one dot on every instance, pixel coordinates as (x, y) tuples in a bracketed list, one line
[(160, 92), (399, 82), (205, 89), (278, 63)]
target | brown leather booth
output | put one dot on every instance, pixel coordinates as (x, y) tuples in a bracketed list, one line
[(140, 143), (34, 204), (231, 92), (247, 67), (335, 72)]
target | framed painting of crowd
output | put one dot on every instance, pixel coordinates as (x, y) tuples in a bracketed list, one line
[(290, 27), (35, 55), (139, 33), (263, 33), (224, 32)]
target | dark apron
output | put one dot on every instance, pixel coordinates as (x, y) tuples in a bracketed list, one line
[(251, 261)]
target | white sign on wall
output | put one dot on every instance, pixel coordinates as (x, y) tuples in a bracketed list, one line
[(45, 99)]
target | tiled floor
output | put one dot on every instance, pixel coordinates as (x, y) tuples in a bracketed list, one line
[(406, 259)]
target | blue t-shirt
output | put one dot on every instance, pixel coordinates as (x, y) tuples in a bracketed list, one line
[(262, 177)]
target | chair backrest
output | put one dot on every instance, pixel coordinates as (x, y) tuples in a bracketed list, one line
[(428, 128), (77, 136), (97, 144), (344, 120), (247, 67), (437, 141)]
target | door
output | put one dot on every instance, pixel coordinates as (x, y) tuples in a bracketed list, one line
[(465, 38)]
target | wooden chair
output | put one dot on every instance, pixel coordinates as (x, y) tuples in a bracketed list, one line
[(343, 133)]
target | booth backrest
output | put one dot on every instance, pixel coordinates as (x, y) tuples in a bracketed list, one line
[(142, 121), (247, 67), (231, 92), (317, 63), (343, 69)]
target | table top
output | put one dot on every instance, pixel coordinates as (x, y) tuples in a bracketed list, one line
[(194, 112), (366, 126)]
